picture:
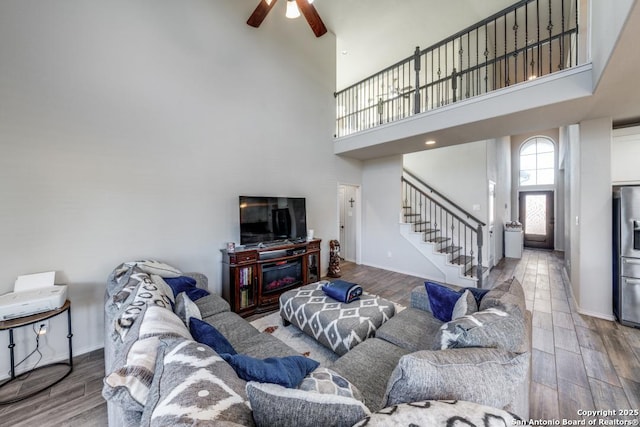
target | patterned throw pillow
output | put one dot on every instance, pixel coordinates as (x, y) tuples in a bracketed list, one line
[(129, 384), (439, 413), (194, 386), (326, 381), (465, 305), (487, 328), (274, 405)]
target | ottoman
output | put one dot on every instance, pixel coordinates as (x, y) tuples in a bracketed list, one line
[(336, 325)]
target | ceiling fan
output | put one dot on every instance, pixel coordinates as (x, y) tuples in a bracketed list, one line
[(294, 7)]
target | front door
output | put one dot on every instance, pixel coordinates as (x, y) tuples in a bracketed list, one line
[(536, 216)]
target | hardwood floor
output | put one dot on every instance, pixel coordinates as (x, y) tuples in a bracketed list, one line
[(578, 362)]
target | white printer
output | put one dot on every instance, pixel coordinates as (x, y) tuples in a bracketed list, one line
[(32, 293)]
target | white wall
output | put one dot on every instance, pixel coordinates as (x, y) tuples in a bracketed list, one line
[(503, 191), (382, 244), (460, 173), (128, 130), (590, 216)]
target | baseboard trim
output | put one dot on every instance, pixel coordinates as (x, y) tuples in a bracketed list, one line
[(579, 309)]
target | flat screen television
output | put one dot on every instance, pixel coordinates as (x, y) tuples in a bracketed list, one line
[(271, 219)]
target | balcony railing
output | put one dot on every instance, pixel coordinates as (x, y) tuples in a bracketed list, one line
[(529, 39)]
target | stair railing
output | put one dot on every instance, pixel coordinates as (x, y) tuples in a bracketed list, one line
[(525, 41), (444, 222)]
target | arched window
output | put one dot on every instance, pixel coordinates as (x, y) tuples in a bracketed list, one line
[(537, 160)]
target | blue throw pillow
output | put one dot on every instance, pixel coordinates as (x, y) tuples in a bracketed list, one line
[(285, 371), (206, 334), (187, 285), (442, 300)]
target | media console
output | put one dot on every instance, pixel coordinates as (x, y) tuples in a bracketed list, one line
[(253, 278)]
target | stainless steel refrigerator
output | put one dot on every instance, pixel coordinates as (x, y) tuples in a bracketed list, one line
[(626, 255)]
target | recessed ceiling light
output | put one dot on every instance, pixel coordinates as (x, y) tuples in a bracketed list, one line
[(430, 142), (344, 52)]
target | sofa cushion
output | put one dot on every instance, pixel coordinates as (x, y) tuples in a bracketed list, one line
[(483, 375), (411, 329), (327, 381), (211, 305), (439, 413), (128, 385), (265, 345), (234, 328), (274, 405), (194, 386), (442, 299), (465, 305), (368, 366), (286, 371), (487, 328), (207, 334)]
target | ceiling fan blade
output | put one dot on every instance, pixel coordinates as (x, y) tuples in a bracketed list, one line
[(312, 17), (260, 13)]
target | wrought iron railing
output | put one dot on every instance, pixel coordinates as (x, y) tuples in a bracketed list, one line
[(529, 39), (442, 222)]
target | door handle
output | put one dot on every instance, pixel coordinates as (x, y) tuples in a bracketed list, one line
[(631, 261), (632, 281)]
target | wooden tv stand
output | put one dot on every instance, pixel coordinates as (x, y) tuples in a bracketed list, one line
[(253, 278)]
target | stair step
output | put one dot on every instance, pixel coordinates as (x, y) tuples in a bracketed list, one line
[(420, 226), (430, 230), (438, 240), (412, 215), (472, 271), (450, 249), (462, 259)]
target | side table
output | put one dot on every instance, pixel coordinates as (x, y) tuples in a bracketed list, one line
[(12, 324)]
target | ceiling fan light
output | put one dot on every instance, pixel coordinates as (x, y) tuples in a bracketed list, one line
[(292, 10)]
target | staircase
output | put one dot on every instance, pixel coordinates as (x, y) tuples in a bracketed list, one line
[(448, 236)]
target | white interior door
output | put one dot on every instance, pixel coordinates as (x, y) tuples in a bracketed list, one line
[(348, 204)]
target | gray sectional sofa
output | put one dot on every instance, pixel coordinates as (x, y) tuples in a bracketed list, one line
[(156, 374)]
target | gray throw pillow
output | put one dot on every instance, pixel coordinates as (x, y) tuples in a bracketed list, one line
[(274, 405), (507, 296), (487, 376), (192, 385), (487, 328)]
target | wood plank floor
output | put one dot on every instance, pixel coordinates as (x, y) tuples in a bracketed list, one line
[(579, 362)]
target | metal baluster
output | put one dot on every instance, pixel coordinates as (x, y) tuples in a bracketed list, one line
[(515, 51)]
